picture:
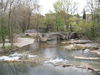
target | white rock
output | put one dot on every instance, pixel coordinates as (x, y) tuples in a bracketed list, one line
[(86, 50), (57, 60), (32, 56)]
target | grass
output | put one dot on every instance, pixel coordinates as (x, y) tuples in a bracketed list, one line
[(8, 49), (26, 36)]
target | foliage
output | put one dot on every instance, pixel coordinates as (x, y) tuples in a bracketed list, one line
[(17, 16)]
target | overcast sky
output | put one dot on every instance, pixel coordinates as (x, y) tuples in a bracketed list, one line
[(47, 5)]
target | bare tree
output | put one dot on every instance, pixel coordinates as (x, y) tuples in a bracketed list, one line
[(69, 6), (24, 11)]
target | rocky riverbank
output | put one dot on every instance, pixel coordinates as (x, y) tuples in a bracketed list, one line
[(86, 45), (72, 51), (20, 42)]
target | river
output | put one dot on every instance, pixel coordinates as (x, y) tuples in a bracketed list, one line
[(51, 59)]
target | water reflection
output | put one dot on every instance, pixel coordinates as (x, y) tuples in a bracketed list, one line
[(34, 69), (50, 53), (16, 68)]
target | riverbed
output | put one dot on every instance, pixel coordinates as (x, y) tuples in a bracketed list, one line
[(50, 59)]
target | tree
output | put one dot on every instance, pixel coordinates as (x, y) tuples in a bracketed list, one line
[(3, 9), (58, 6), (67, 6), (24, 10), (49, 21), (84, 15), (10, 23), (93, 7)]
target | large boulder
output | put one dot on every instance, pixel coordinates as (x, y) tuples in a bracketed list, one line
[(79, 41), (91, 46)]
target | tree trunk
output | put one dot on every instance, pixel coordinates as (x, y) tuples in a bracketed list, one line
[(10, 28)]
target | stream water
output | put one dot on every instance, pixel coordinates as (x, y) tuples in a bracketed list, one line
[(52, 54)]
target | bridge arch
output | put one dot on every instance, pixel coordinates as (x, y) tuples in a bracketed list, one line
[(59, 36)]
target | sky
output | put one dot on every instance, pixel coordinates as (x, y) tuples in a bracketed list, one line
[(47, 5)]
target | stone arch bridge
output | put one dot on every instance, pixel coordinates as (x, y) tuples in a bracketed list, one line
[(57, 35), (49, 36)]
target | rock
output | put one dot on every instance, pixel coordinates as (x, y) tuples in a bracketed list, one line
[(89, 68), (73, 47), (86, 58), (96, 51), (56, 61), (86, 50), (97, 71), (32, 56), (66, 65), (90, 46), (86, 47), (79, 41)]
